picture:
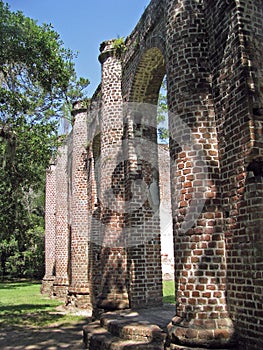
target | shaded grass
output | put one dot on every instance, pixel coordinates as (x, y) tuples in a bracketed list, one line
[(169, 292), (22, 304)]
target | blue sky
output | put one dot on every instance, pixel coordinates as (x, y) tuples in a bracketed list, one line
[(84, 24)]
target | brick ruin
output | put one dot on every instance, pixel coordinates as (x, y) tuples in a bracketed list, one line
[(103, 247)]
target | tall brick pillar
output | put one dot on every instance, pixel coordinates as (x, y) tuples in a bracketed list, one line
[(202, 319), (78, 293), (111, 260), (61, 282), (50, 230), (236, 60)]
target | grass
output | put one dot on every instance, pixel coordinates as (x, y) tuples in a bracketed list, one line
[(168, 292), (22, 304)]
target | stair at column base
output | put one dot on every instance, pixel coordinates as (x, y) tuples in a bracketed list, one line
[(128, 329), (47, 285), (97, 337), (78, 298), (60, 291)]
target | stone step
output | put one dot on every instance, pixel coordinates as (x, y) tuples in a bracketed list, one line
[(97, 337), (184, 347), (130, 327)]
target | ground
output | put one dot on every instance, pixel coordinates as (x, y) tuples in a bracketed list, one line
[(53, 337), (31, 321)]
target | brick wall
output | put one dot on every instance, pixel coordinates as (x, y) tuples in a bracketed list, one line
[(61, 282), (50, 230), (93, 156), (211, 52)]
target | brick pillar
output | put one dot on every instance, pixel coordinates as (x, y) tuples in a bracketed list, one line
[(111, 259), (61, 282), (79, 283), (93, 157), (238, 90), (50, 230), (202, 318)]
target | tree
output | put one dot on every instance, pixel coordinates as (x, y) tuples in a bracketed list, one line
[(37, 80), (162, 113)]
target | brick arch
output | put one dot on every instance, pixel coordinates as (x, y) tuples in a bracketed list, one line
[(148, 77)]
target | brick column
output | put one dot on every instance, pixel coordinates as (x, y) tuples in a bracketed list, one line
[(50, 230), (79, 283), (62, 233), (111, 254), (236, 59), (202, 319)]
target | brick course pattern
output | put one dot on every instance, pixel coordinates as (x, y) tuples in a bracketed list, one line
[(61, 282), (211, 53), (79, 293), (50, 230)]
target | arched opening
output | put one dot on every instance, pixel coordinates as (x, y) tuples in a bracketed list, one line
[(149, 87), (148, 78), (166, 222)]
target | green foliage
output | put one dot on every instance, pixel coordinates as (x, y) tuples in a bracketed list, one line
[(36, 72), (162, 113), (119, 45), (37, 83), (169, 292)]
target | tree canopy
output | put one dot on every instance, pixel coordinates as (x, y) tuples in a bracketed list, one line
[(37, 80)]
